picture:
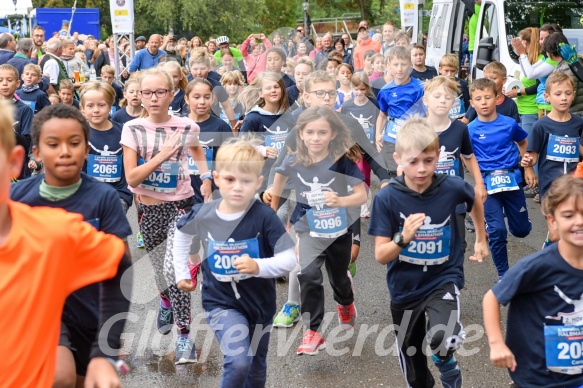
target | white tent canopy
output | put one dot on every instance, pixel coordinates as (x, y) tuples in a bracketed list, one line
[(7, 7)]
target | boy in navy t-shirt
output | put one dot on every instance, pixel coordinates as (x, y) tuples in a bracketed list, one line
[(496, 72), (397, 100), (413, 219), (64, 186), (495, 138), (543, 293), (246, 247), (449, 67), (30, 93)]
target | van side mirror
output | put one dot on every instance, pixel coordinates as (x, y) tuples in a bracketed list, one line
[(486, 48)]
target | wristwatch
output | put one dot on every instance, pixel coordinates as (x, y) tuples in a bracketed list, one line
[(119, 365), (518, 94), (398, 239)]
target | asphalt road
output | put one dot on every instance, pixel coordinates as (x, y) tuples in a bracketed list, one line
[(365, 358)]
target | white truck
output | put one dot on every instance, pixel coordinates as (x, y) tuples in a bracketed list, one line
[(498, 22)]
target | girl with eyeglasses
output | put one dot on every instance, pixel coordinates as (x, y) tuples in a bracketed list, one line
[(155, 150)]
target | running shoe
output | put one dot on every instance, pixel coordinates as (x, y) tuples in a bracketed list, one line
[(536, 198), (469, 224), (346, 316), (289, 314), (530, 193), (312, 343), (165, 319), (185, 351), (364, 212), (140, 240)]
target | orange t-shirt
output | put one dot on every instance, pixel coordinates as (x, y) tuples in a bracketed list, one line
[(49, 253), (361, 48)]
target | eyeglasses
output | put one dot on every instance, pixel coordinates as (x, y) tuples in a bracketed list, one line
[(323, 93), (160, 93)]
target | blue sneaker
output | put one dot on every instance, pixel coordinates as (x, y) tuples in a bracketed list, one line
[(289, 314), (140, 240), (185, 351), (165, 319)]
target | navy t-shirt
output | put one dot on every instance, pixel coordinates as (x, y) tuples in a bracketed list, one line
[(36, 100), (543, 290), (99, 205), (273, 128), (293, 93), (494, 143), (393, 204), (257, 301), (366, 115), (105, 160), (122, 116), (178, 104), (429, 73), (318, 178), (547, 131), (507, 108)]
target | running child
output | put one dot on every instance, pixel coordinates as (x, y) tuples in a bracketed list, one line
[(23, 114), (67, 93), (30, 93), (344, 73), (108, 76), (417, 237), (496, 72), (498, 144), (321, 172), (274, 60), (542, 292), (378, 67), (105, 159), (456, 151), (266, 103), (178, 104), (68, 255), (398, 100), (380, 82), (238, 290), (449, 67), (420, 71), (54, 99), (364, 109), (304, 66), (131, 104), (555, 141), (213, 131), (233, 82), (156, 169), (60, 136)]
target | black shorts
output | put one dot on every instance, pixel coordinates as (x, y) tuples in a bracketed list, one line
[(356, 232), (79, 341)]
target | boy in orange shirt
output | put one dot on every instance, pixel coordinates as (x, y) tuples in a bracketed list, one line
[(67, 254)]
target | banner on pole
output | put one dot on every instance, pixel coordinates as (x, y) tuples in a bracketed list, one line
[(409, 17), (122, 16)]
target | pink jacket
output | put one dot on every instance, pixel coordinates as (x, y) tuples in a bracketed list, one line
[(253, 63)]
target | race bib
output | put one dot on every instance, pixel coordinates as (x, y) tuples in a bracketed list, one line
[(369, 131), (563, 149), (392, 129), (162, 180), (430, 246), (276, 141), (449, 167), (500, 180), (458, 109), (222, 255), (193, 170), (327, 223), (104, 168), (564, 349), (224, 117)]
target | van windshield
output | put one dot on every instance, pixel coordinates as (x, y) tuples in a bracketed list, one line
[(520, 15)]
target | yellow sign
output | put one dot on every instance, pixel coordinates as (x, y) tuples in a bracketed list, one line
[(121, 12), (409, 6)]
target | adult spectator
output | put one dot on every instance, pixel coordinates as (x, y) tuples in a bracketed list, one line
[(76, 39), (364, 23), (339, 46), (327, 48), (169, 45), (21, 58), (53, 66), (255, 61), (388, 37), (365, 43), (38, 37), (7, 47), (140, 42), (348, 46), (148, 58), (223, 43)]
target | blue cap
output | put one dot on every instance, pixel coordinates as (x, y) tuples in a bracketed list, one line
[(66, 21)]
